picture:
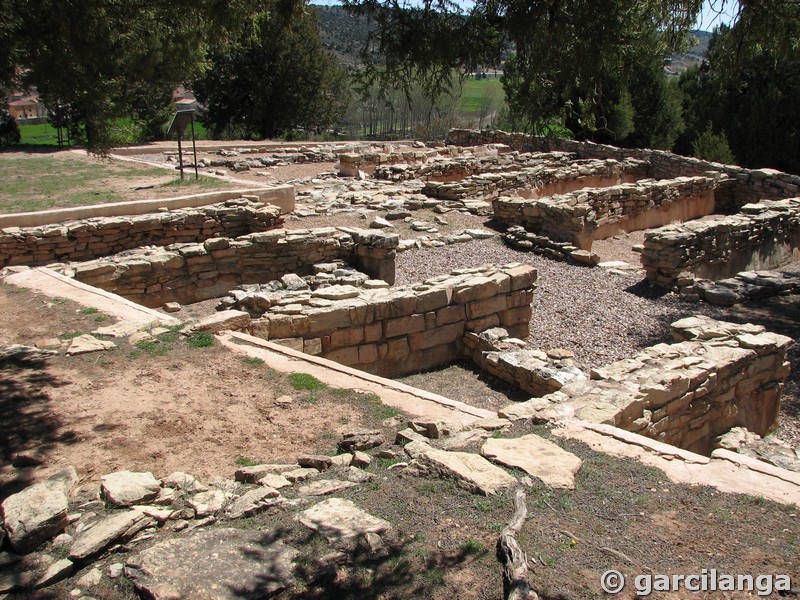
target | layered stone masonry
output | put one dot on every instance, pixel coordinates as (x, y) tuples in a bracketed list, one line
[(188, 273), (739, 185), (402, 330), (762, 236), (544, 179), (495, 158), (509, 359), (744, 286), (102, 236), (715, 377), (590, 214)]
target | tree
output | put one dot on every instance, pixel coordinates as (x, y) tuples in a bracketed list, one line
[(749, 88), (280, 80), (713, 147), (103, 58), (9, 132), (573, 60)]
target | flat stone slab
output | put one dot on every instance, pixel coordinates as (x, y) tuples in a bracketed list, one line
[(233, 320), (109, 530), (125, 488), (470, 471), (536, 456), (337, 519), (214, 564), (83, 344), (253, 502), (34, 515), (323, 487)]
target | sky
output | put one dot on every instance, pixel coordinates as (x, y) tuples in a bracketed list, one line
[(709, 17)]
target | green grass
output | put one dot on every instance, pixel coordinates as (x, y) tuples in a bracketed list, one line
[(304, 381), (475, 90), (243, 461), (87, 311), (43, 134), (471, 546), (40, 181), (253, 361), (71, 335), (201, 339)]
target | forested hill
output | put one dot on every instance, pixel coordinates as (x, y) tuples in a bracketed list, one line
[(344, 35)]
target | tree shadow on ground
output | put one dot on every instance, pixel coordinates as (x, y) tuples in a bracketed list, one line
[(25, 418)]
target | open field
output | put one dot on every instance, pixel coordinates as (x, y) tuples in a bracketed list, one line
[(32, 181)]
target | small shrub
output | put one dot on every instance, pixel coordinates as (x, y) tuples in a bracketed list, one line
[(9, 131), (201, 339), (87, 311), (100, 319), (243, 461), (471, 546), (253, 361), (713, 147), (71, 335), (304, 381)]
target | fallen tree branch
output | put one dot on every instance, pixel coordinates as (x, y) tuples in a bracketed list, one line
[(515, 563)]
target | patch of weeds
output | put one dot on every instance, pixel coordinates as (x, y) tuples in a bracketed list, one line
[(134, 354), (372, 486), (152, 348), (201, 339), (176, 328), (167, 337), (70, 335), (471, 546), (344, 420), (385, 463), (88, 311), (304, 381), (483, 506), (342, 393), (101, 319), (427, 488), (253, 361), (434, 575), (495, 526), (310, 398), (329, 435), (377, 409), (243, 461), (497, 434)]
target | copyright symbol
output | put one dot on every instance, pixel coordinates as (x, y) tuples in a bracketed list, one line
[(612, 582)]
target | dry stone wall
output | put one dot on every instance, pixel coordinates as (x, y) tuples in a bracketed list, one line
[(188, 273), (762, 236), (392, 332), (738, 187), (583, 216), (544, 179), (715, 377), (102, 236)]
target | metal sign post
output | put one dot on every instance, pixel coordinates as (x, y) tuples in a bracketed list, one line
[(180, 121)]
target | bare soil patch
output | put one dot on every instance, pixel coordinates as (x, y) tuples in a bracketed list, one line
[(160, 408)]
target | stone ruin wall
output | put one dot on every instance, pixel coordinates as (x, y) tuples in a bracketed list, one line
[(715, 377), (403, 330), (739, 186), (762, 236), (103, 236), (551, 177), (584, 216), (189, 273)]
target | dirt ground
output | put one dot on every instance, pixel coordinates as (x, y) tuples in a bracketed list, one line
[(161, 409)]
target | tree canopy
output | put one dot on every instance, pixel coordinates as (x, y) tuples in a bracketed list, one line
[(275, 81), (107, 58)]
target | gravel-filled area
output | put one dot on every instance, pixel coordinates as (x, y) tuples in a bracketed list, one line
[(604, 316)]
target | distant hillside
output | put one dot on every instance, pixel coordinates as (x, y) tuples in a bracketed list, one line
[(343, 34), (692, 57)]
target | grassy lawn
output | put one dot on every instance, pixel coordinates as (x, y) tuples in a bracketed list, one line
[(45, 134), (39, 181), (476, 90)]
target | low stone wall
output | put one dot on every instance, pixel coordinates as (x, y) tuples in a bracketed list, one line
[(487, 159), (394, 332), (102, 236), (717, 376), (741, 186), (542, 180), (762, 236), (188, 273), (591, 214)]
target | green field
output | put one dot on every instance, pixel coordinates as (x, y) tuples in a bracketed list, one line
[(476, 91), (58, 179), (45, 134)]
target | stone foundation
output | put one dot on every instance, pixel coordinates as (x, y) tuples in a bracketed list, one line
[(590, 214), (738, 185), (715, 377), (544, 179), (188, 273), (762, 236), (103, 236), (394, 332)]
